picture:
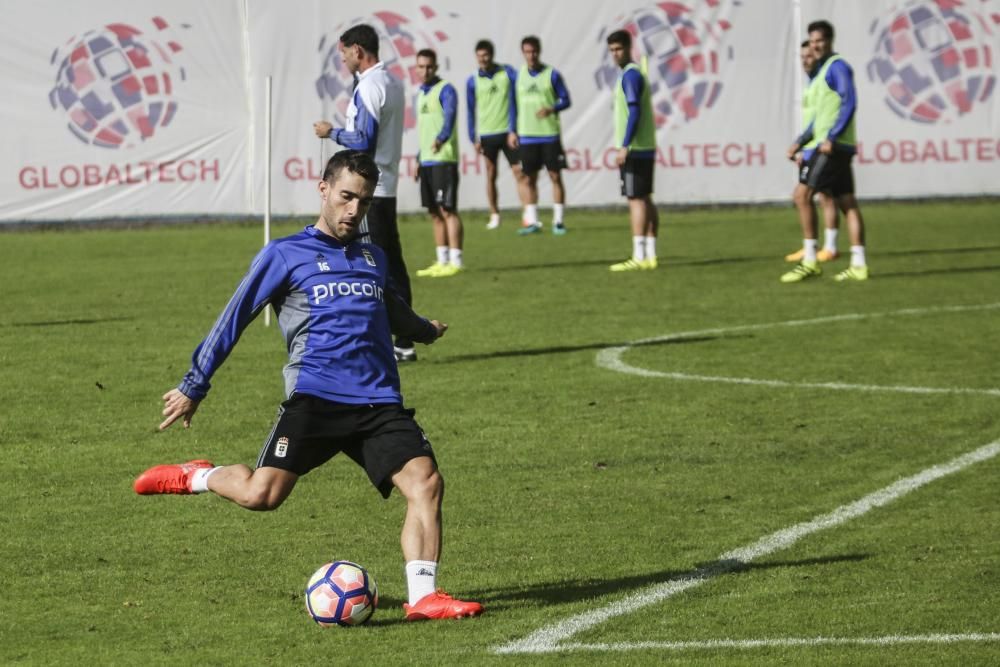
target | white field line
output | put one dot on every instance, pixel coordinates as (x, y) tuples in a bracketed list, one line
[(611, 358), (547, 639), (787, 642)]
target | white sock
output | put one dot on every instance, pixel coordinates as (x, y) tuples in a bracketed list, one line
[(494, 219), (442, 254), (809, 248), (858, 255), (638, 248), (531, 214), (557, 213), (650, 247), (421, 579), (199, 479), (455, 256), (830, 240)]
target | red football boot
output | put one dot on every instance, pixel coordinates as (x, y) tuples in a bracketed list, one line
[(171, 478), (440, 605)]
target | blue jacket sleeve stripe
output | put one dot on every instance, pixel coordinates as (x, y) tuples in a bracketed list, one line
[(562, 94), (470, 106), (449, 102), (259, 285), (840, 78), (512, 99), (365, 134), (632, 87)]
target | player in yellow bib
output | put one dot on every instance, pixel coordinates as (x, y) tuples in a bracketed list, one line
[(832, 135), (541, 96), (437, 111), (492, 121), (635, 139), (831, 218)]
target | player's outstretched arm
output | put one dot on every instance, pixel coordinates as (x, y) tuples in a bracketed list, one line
[(177, 406)]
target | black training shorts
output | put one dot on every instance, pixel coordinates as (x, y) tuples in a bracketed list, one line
[(549, 154), (311, 430), (637, 177), (493, 144), (828, 173), (439, 186)]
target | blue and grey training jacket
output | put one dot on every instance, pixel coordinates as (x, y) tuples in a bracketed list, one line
[(337, 311)]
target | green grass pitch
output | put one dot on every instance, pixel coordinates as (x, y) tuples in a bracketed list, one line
[(569, 486)]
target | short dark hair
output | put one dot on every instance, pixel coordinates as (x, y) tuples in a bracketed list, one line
[(485, 45), (356, 162), (805, 44), (362, 35), (623, 37), (824, 27), (533, 41), (428, 53)]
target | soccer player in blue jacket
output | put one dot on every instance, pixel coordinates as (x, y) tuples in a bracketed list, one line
[(337, 309)]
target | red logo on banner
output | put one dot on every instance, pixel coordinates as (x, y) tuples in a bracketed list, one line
[(399, 40), (116, 84), (683, 53), (935, 59)]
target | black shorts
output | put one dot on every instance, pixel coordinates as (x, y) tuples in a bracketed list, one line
[(828, 173), (439, 186), (550, 155), (637, 177), (493, 144), (312, 430)]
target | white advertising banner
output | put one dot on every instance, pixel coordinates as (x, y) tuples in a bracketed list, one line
[(722, 94), (122, 109), (142, 109)]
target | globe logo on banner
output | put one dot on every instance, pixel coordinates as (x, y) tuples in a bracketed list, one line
[(681, 48), (116, 84), (934, 59), (399, 41)]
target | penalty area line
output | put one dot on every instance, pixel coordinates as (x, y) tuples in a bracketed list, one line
[(787, 642), (548, 639)]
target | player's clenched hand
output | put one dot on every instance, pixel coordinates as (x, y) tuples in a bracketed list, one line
[(441, 327), (322, 129), (175, 406)]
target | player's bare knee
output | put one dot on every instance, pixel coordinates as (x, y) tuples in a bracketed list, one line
[(421, 483)]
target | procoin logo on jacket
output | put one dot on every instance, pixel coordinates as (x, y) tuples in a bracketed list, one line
[(345, 288)]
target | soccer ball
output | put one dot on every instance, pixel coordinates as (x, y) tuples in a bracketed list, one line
[(341, 593)]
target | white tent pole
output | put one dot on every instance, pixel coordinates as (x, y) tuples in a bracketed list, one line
[(267, 176)]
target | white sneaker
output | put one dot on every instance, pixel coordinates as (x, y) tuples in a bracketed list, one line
[(493, 224), (405, 353)]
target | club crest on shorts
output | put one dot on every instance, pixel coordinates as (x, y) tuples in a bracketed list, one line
[(368, 256), (281, 447)]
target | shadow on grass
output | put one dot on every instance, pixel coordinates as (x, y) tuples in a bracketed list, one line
[(668, 262), (63, 323), (569, 591), (933, 272), (560, 349), (939, 251)]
